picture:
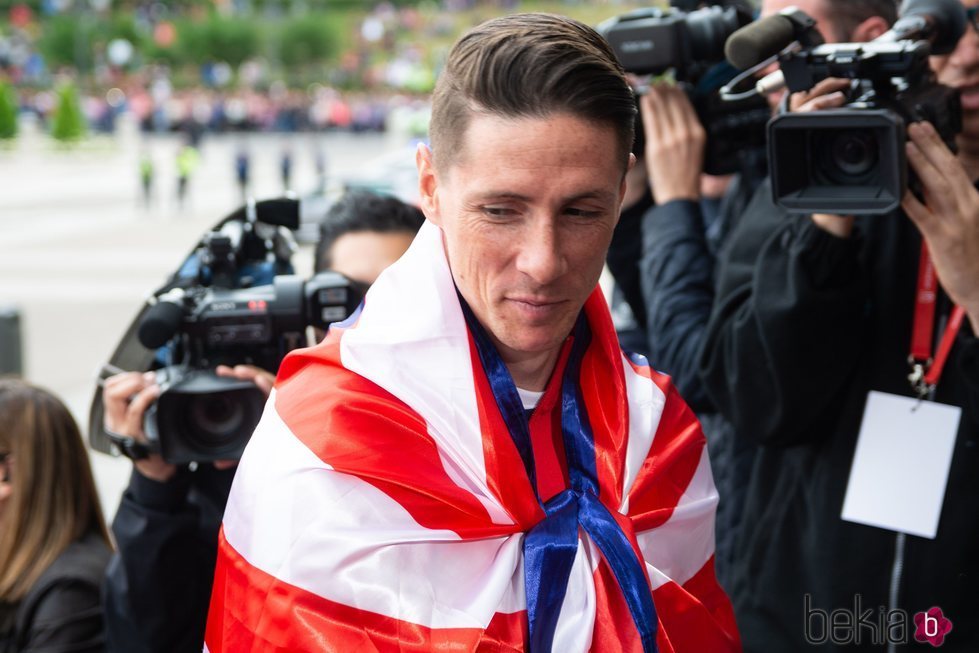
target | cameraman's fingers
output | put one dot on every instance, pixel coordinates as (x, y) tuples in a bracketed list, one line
[(116, 393), (939, 194), (654, 115), (831, 87), (265, 381), (137, 408), (262, 378), (943, 164), (683, 116), (831, 101)]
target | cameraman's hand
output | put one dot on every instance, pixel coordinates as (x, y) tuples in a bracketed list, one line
[(949, 217), (674, 143), (827, 94), (126, 397), (262, 378)]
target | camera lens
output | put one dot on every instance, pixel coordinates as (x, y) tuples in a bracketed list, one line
[(215, 417), (214, 423), (847, 158)]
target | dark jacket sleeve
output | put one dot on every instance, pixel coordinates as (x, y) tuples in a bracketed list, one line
[(783, 336), (677, 274), (623, 256), (157, 587)]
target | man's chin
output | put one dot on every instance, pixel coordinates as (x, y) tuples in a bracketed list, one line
[(531, 344)]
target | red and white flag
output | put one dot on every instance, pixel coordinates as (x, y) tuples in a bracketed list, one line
[(384, 504)]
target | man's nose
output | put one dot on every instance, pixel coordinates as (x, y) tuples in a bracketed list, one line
[(540, 256)]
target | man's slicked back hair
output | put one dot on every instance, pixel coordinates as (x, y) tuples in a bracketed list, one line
[(529, 66)]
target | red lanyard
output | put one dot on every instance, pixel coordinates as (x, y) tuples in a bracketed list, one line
[(925, 371)]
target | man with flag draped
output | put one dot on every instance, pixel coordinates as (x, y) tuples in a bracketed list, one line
[(470, 462)]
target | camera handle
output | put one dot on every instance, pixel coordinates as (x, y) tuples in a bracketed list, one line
[(128, 446)]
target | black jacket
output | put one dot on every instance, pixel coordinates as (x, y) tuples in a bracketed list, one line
[(62, 612), (158, 585), (805, 325), (680, 241)]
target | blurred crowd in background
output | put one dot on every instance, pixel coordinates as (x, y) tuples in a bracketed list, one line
[(201, 66)]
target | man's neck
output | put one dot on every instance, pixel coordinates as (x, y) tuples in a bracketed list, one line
[(530, 371)]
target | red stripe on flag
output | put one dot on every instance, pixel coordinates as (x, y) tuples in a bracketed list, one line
[(697, 617), (606, 403), (670, 465), (356, 427), (253, 611)]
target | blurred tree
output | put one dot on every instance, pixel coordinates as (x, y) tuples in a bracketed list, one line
[(310, 40), (68, 123), (65, 41), (8, 112), (232, 40)]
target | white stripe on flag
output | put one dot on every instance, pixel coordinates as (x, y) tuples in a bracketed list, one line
[(646, 402), (341, 538), (679, 548)]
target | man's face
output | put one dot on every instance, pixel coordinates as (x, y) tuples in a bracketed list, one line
[(527, 210), (960, 70), (363, 255)]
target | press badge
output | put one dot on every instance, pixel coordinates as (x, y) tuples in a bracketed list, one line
[(901, 464)]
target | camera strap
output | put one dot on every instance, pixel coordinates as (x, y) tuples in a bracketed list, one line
[(925, 370), (128, 446)]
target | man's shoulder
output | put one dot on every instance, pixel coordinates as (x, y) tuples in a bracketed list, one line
[(315, 384)]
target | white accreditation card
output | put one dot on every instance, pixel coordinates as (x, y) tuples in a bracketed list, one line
[(901, 464)]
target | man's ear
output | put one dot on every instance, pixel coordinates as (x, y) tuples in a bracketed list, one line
[(427, 184), (869, 29)]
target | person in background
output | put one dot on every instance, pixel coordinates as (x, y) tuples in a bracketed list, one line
[(807, 353), (681, 238), (363, 233), (54, 546)]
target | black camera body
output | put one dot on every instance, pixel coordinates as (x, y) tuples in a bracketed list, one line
[(851, 161), (654, 40), (199, 415)]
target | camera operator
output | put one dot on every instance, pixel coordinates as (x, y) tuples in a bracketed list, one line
[(812, 314), (159, 583), (683, 234)]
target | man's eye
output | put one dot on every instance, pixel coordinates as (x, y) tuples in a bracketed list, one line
[(497, 211), (582, 213)]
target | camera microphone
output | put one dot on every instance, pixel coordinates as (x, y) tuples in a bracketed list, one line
[(160, 323), (280, 212), (765, 38), (283, 212), (941, 22)]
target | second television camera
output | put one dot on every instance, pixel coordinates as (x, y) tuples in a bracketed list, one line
[(234, 301), (691, 43), (851, 161)]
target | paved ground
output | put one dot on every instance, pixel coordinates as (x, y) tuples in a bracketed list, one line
[(79, 253)]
